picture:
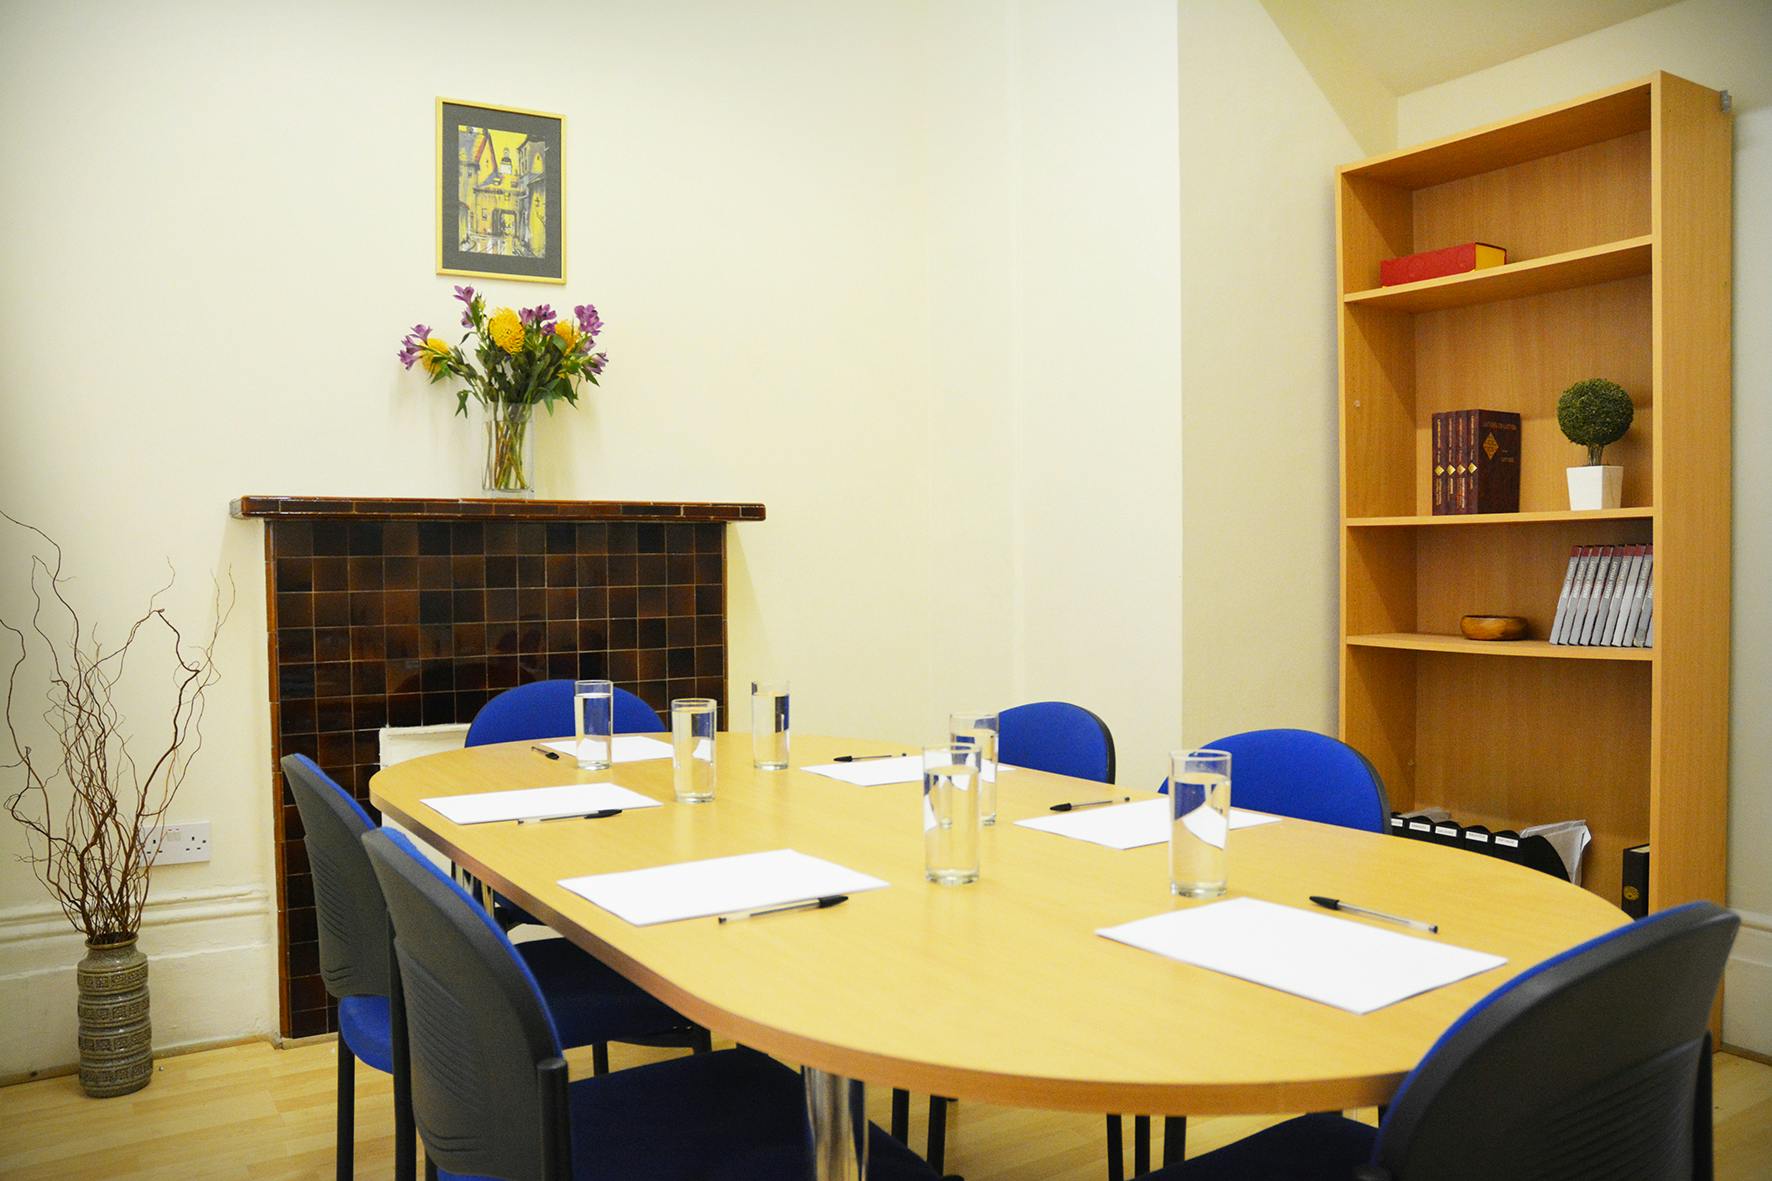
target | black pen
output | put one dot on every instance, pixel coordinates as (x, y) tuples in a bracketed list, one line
[(864, 758), (809, 904), (1338, 904), (1088, 804), (545, 753), (603, 815)]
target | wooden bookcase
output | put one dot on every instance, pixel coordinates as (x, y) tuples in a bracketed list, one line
[(1615, 213)]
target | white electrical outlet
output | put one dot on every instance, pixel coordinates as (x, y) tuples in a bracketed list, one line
[(180, 843)]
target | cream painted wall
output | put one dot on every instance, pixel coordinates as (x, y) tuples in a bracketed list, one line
[(225, 223), (1259, 145), (1723, 44), (243, 199)]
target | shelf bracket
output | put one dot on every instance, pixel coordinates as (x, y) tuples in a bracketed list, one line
[(1724, 100)]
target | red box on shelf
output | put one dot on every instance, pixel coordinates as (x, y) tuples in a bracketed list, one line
[(1432, 264)]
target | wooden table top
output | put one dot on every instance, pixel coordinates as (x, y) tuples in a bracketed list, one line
[(999, 991)]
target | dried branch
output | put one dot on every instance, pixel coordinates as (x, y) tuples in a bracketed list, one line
[(95, 858)]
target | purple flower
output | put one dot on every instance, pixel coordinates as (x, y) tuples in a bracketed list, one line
[(465, 294), (598, 360), (589, 322), (540, 317), (413, 346)]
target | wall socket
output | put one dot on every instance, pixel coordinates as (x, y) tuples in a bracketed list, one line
[(180, 843)]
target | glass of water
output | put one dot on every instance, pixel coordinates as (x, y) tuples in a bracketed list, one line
[(694, 721), (979, 731), (769, 725), (593, 723), (1200, 821), (951, 783)]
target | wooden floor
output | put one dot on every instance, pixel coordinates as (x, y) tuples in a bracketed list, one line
[(252, 1111)]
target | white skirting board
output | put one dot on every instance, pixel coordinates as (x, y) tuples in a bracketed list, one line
[(1747, 986), (209, 953)]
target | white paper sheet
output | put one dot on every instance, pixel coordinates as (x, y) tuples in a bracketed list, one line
[(874, 772), (1318, 956), (536, 803), (1128, 826), (721, 885), (629, 748)]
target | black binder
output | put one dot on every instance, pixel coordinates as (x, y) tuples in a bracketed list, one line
[(1635, 885)]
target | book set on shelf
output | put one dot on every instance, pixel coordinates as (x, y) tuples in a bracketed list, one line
[(1476, 458), (1608, 597), (1555, 849)]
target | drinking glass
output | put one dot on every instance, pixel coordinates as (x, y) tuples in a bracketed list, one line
[(951, 783), (593, 724), (979, 731), (1200, 821), (769, 725), (694, 721)]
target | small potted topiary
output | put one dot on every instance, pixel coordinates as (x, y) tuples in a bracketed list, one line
[(1594, 413)]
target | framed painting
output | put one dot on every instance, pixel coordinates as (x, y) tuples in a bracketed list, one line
[(501, 187)]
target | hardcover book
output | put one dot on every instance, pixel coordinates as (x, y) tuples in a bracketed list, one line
[(1432, 264), (1495, 461)]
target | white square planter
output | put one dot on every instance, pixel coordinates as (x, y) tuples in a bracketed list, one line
[(1595, 487)]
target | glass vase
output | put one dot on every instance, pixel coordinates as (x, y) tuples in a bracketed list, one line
[(510, 449)]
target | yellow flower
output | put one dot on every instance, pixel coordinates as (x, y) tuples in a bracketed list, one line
[(567, 333), (507, 331), (435, 351)]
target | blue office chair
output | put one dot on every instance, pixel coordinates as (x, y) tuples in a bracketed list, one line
[(1059, 737), (1596, 1063), (1297, 773), (592, 1004), (543, 709), (489, 1085), (1307, 776)]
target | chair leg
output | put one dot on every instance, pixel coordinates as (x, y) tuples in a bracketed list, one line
[(405, 1134), (1174, 1139), (901, 1115), (347, 1108), (1116, 1151), (1141, 1145), (938, 1131), (599, 1058), (704, 1042), (430, 1169)]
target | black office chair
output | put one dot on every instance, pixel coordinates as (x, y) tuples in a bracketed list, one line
[(592, 1004), (490, 1088), (1594, 1064)]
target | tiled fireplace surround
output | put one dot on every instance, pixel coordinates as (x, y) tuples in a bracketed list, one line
[(415, 612)]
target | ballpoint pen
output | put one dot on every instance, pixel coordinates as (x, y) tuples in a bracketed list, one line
[(545, 753), (1338, 904), (1072, 807), (864, 758), (809, 904), (603, 815)]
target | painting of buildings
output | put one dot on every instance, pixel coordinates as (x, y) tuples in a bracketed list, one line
[(501, 193)]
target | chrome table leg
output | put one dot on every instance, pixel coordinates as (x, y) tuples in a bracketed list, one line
[(839, 1122)]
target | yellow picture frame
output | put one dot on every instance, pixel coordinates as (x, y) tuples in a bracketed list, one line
[(501, 192)]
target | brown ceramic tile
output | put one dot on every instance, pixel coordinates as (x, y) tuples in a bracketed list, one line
[(416, 621)]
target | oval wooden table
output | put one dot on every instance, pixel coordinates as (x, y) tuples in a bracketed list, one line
[(998, 991)]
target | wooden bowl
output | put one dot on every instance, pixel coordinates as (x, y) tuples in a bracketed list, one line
[(1493, 627)]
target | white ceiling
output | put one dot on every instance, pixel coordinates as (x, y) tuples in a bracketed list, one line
[(1411, 44)]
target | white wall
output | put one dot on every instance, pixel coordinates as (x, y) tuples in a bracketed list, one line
[(233, 226), (1260, 145)]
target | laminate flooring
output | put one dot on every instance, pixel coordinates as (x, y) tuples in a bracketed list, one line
[(256, 1112)]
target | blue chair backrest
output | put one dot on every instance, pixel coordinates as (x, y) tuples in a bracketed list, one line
[(1306, 775), (1593, 1064), (352, 921), (1059, 737), (543, 709), (488, 1082)]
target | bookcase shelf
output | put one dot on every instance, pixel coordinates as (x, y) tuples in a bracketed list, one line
[(1616, 210), (1558, 272), (1437, 642), (1555, 517)]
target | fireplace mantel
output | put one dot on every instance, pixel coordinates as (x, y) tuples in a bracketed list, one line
[(410, 612), (314, 508)]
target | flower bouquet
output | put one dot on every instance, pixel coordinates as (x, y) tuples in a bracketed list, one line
[(519, 359)]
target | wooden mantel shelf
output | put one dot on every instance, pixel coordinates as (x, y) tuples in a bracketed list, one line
[(311, 508)]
